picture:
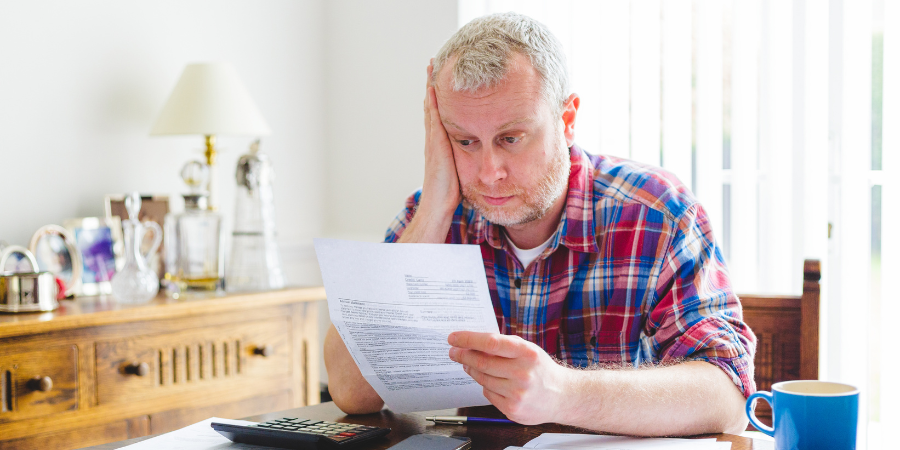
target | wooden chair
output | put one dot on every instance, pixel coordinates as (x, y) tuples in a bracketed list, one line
[(787, 330)]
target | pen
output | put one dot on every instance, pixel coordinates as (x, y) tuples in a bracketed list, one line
[(460, 420)]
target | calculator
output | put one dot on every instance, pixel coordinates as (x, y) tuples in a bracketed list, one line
[(302, 434)]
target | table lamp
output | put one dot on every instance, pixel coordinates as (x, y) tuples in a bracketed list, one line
[(210, 99)]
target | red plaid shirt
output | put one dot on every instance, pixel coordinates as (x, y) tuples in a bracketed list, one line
[(632, 274)]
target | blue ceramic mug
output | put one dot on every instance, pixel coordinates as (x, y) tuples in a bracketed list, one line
[(809, 415)]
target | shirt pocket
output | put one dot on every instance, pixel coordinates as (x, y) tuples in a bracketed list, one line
[(593, 347)]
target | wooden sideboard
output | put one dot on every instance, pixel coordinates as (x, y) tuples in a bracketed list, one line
[(95, 371)]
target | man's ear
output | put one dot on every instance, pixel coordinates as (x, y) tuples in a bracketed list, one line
[(570, 110)]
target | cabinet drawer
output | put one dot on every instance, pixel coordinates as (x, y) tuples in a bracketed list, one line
[(82, 436), (150, 366), (38, 383)]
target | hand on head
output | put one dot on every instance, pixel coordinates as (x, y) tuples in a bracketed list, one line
[(440, 190), (518, 377)]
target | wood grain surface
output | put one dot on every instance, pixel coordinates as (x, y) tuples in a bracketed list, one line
[(112, 371), (104, 310), (22, 399)]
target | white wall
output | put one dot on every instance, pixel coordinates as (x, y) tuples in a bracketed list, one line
[(82, 82), (376, 57)]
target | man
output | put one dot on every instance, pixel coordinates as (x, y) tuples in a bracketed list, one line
[(593, 262)]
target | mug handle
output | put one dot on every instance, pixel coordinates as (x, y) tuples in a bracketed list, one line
[(764, 395)]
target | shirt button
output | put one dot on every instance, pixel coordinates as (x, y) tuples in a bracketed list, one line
[(518, 283), (593, 341)]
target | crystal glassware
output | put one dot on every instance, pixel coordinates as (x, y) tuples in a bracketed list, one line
[(193, 248), (136, 282), (254, 263)]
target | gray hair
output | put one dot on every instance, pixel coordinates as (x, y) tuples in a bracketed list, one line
[(484, 46)]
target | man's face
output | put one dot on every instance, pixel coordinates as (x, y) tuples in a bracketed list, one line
[(508, 144)]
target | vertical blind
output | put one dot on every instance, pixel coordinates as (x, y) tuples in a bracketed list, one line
[(784, 119)]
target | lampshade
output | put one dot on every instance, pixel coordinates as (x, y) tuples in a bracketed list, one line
[(210, 99)]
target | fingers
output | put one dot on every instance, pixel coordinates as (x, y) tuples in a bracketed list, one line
[(491, 343), (433, 110), (496, 399), (496, 366), (491, 382), (431, 114), (493, 387), (427, 107), (428, 72), (430, 98)]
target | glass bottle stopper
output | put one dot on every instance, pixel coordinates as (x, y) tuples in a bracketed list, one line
[(195, 174), (133, 205)]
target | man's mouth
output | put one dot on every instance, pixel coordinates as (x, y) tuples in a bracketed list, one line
[(497, 201)]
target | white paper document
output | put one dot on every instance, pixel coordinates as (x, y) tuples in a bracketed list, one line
[(566, 441), (199, 436), (394, 306)]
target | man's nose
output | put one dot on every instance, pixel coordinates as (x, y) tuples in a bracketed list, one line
[(493, 165)]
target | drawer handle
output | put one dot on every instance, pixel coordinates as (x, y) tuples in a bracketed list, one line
[(265, 351), (138, 368), (39, 383)]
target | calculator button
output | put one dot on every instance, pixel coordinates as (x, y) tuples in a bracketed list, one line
[(346, 434)]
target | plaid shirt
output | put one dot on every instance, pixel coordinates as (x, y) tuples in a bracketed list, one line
[(632, 274)]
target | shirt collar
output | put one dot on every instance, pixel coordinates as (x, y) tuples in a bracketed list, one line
[(576, 228)]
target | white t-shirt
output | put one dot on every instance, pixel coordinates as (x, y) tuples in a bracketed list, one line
[(528, 255)]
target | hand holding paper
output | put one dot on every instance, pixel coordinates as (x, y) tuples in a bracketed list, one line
[(518, 377), (394, 306)]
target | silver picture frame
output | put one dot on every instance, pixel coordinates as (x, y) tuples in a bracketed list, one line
[(99, 239), (55, 251)]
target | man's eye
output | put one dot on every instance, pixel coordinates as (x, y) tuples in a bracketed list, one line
[(465, 142), (511, 139)]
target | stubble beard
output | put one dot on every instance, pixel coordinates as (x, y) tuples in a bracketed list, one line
[(536, 200)]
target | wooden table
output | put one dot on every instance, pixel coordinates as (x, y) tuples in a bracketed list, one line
[(484, 437), (115, 371)]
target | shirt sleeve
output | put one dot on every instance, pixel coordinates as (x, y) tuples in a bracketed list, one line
[(697, 316), (395, 229)]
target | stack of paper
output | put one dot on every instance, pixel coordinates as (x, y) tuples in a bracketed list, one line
[(563, 441)]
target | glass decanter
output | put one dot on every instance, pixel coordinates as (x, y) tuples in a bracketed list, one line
[(254, 263), (136, 282), (193, 248)]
